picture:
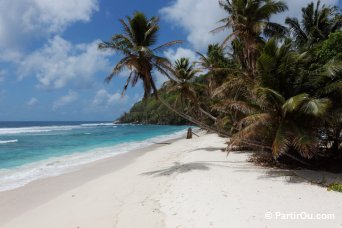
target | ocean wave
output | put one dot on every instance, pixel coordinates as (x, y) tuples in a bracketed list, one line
[(22, 130), (45, 129), (8, 141), (14, 178), (97, 124)]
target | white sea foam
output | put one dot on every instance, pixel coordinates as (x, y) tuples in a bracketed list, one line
[(21, 130), (14, 178), (8, 141), (45, 129), (97, 124)]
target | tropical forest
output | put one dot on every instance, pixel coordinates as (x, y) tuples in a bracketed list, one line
[(271, 88)]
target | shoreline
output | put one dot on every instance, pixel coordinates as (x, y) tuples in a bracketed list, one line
[(58, 165), (188, 183), (67, 181)]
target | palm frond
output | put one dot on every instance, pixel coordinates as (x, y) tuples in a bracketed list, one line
[(166, 45), (282, 141), (305, 142), (294, 103), (274, 96), (229, 104), (123, 63), (330, 88), (262, 118), (316, 107)]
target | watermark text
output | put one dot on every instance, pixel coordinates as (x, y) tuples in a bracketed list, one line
[(277, 215)]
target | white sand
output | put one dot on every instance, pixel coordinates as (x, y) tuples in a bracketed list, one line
[(189, 183)]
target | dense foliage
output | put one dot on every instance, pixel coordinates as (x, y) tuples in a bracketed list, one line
[(269, 87), (152, 111)]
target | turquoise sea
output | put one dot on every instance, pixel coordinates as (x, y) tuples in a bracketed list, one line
[(33, 150)]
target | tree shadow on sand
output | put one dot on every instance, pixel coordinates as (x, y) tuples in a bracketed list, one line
[(179, 168), (199, 165), (297, 176), (209, 149), (222, 149), (289, 175)]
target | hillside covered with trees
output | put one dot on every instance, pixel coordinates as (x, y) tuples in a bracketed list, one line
[(152, 111)]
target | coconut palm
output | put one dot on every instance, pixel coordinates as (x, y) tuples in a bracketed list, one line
[(328, 83), (270, 114), (282, 125), (215, 64), (250, 21), (137, 46), (184, 83), (316, 24), (140, 57)]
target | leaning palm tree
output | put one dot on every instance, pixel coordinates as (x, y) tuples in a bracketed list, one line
[(140, 57), (275, 117), (184, 83), (137, 46), (250, 21), (316, 24), (281, 125)]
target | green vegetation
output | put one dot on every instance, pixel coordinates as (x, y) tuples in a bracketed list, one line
[(335, 187), (331, 48), (266, 86), (152, 111)]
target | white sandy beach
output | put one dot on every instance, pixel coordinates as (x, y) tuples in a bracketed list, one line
[(189, 183)]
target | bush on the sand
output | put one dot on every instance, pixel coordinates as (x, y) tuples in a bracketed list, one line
[(337, 187)]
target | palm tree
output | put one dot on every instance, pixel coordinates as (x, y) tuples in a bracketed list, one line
[(136, 44), (271, 115), (250, 21), (281, 125), (316, 24), (215, 64), (184, 83), (328, 83)]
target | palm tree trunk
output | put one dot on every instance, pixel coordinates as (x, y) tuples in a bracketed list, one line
[(183, 115), (208, 114), (208, 128), (191, 119), (258, 145)]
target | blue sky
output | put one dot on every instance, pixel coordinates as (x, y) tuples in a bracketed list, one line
[(51, 69)]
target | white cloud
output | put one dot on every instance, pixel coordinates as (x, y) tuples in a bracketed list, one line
[(198, 18), (60, 62), (65, 100), (104, 98), (103, 101), (56, 15), (180, 52), (32, 102), (10, 55), (295, 9), (173, 55), (159, 78), (22, 20)]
